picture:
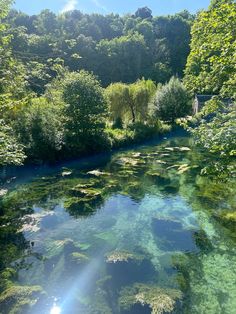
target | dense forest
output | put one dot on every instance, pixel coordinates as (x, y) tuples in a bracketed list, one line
[(73, 84)]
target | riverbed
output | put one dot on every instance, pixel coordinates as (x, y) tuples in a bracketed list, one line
[(138, 231)]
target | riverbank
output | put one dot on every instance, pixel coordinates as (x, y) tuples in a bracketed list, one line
[(122, 139)]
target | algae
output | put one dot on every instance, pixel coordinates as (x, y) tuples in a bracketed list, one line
[(159, 300), (19, 299)]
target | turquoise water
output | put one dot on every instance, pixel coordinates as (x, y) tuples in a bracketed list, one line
[(140, 231)]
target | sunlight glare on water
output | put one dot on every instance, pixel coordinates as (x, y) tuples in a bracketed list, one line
[(55, 309)]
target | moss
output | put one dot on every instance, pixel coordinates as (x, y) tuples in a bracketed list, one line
[(229, 217), (83, 206), (6, 277), (100, 304), (86, 191), (79, 258), (122, 256), (160, 300), (18, 299)]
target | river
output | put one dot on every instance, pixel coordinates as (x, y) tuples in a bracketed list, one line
[(140, 231)]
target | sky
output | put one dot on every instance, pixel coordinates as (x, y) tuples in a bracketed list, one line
[(159, 7)]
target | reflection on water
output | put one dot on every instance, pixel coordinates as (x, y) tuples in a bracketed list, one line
[(140, 233)]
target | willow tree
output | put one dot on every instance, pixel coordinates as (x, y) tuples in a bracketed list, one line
[(211, 65), (129, 102)]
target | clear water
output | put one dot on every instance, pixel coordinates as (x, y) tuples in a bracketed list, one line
[(140, 231)]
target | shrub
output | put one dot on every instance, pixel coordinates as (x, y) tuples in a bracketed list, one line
[(39, 126), (172, 101)]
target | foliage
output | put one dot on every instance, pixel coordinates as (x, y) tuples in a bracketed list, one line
[(216, 132), (211, 65), (85, 112), (11, 152), (116, 48), (130, 102), (39, 127), (172, 101), (136, 133), (143, 13)]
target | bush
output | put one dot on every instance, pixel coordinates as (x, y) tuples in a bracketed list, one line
[(136, 133), (172, 101), (39, 126)]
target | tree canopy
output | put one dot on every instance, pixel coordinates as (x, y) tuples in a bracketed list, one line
[(211, 65)]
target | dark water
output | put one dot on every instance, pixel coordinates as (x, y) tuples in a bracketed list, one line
[(139, 232)]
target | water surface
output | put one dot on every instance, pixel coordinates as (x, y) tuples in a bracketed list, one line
[(138, 232)]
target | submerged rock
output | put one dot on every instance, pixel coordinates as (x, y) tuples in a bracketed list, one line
[(159, 300), (98, 173), (184, 149), (3, 192), (66, 172)]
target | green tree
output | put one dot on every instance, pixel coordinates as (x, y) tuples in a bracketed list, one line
[(176, 32), (129, 102), (85, 113), (122, 59), (211, 65), (143, 13), (215, 131), (172, 101)]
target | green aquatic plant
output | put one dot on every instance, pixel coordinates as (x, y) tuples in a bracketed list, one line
[(79, 258), (123, 256), (6, 278), (19, 299), (159, 300)]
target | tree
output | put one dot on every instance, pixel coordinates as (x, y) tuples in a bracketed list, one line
[(211, 65), (130, 102), (85, 112), (122, 59), (176, 32), (144, 13), (172, 101)]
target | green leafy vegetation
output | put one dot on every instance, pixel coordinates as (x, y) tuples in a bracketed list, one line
[(172, 101), (149, 229), (211, 68), (211, 65)]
